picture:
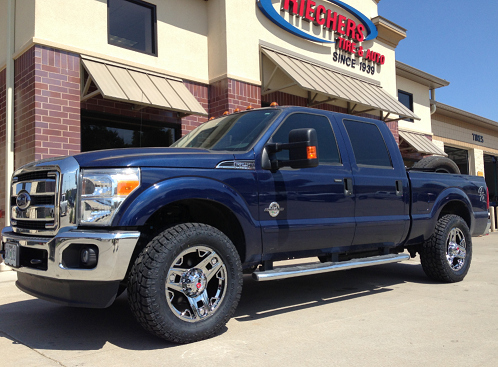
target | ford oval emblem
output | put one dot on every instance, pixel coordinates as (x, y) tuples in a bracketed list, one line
[(23, 200)]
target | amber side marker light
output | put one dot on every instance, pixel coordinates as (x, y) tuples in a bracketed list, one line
[(225, 113), (249, 108), (236, 110), (274, 104), (212, 118), (125, 187), (312, 152)]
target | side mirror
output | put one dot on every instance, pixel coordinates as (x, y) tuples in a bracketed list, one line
[(305, 152), (302, 147)]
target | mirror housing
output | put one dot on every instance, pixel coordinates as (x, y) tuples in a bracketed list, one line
[(302, 147)]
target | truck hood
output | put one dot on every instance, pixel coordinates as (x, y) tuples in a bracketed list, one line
[(153, 157)]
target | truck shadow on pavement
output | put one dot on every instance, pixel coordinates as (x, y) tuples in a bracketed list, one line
[(45, 326), (265, 299)]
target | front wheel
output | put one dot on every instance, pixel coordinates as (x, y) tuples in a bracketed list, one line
[(186, 283), (446, 256)]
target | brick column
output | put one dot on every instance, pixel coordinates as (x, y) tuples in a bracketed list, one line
[(201, 93), (57, 103), (47, 104), (228, 95)]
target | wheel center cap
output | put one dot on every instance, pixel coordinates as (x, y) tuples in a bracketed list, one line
[(193, 282)]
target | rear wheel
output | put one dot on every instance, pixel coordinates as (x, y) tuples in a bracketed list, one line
[(186, 283), (446, 256)]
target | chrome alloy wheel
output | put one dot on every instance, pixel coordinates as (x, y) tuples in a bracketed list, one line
[(196, 284), (456, 249)]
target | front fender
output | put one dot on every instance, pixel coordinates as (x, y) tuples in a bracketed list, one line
[(182, 188)]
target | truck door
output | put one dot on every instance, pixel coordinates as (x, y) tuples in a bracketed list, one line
[(307, 209), (380, 184)]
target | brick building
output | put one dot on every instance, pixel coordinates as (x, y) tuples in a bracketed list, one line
[(102, 74)]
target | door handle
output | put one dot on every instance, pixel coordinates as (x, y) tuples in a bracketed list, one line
[(348, 186), (399, 188)]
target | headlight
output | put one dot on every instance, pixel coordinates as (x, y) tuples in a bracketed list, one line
[(103, 191)]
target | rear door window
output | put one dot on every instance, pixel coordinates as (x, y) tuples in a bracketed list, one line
[(369, 147)]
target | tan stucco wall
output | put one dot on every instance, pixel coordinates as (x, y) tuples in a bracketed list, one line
[(25, 26), (25, 22), (476, 160), (421, 105), (200, 40), (182, 28), (459, 133), (247, 25), (3, 33)]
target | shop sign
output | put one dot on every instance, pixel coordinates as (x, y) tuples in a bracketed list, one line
[(478, 138), (348, 33)]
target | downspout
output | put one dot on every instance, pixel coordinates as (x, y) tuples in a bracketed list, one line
[(9, 124), (433, 98)]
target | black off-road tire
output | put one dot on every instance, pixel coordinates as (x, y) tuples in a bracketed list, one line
[(147, 292), (433, 252), (438, 164)]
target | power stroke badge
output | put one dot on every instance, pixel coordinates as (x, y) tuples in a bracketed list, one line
[(274, 209)]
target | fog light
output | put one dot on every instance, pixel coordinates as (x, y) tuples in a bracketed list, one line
[(88, 257)]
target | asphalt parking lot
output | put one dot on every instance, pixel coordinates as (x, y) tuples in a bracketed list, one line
[(388, 315)]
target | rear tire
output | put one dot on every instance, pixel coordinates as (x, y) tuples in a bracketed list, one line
[(447, 255), (186, 283)]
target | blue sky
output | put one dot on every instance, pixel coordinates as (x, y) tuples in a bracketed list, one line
[(454, 40)]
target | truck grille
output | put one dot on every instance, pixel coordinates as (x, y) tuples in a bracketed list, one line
[(34, 202)]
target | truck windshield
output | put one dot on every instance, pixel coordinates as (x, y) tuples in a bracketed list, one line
[(236, 132)]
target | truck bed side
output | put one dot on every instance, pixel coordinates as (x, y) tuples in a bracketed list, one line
[(435, 194)]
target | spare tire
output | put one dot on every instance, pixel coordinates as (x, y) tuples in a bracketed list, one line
[(438, 164)]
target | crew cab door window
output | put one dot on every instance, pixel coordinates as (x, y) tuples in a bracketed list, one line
[(328, 153), (314, 212), (368, 144)]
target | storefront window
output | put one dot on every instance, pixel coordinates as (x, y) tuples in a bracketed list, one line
[(460, 157), (105, 131), (132, 25), (491, 173), (406, 100)]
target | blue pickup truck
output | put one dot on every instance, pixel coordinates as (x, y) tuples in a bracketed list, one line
[(177, 227)]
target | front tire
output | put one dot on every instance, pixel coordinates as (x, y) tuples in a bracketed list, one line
[(186, 283), (447, 255)]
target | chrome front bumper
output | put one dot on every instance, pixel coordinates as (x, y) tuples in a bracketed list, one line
[(115, 251)]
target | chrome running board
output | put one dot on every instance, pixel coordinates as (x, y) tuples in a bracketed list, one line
[(293, 271)]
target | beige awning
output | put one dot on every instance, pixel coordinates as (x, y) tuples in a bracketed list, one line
[(145, 89), (328, 85), (420, 143)]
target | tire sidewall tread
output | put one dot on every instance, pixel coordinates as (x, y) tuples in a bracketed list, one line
[(433, 252), (146, 293)]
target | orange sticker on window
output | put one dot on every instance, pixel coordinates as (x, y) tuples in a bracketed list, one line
[(312, 152)]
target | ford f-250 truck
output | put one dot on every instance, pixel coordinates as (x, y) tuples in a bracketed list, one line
[(178, 226)]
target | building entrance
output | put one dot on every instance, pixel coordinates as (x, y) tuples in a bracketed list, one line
[(491, 174), (460, 157)]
